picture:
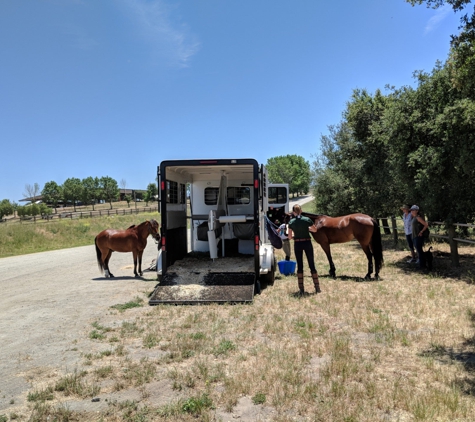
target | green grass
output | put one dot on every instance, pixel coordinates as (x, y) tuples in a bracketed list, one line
[(121, 307), (41, 395), (20, 239)]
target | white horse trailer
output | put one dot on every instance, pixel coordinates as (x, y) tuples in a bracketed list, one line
[(215, 246)]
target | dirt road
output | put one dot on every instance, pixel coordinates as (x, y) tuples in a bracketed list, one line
[(49, 300)]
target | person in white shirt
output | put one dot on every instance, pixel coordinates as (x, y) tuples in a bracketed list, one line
[(283, 234), (407, 218)]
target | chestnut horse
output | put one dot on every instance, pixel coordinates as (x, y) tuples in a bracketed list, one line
[(133, 239), (361, 227)]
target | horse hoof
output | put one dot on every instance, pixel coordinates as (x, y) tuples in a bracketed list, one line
[(367, 277), (111, 275)]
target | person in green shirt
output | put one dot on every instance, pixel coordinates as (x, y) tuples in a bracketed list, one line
[(299, 230)]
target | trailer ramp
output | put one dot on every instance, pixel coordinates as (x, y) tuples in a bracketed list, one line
[(212, 287)]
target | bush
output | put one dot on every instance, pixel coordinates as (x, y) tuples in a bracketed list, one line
[(6, 208)]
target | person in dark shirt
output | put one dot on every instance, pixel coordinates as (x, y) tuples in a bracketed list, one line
[(419, 225), (299, 230)]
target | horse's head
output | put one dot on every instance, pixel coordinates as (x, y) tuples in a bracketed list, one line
[(153, 229)]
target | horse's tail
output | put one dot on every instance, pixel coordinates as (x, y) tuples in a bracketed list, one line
[(99, 256), (377, 246)]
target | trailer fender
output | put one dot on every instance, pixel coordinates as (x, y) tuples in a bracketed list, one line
[(159, 263), (266, 258)]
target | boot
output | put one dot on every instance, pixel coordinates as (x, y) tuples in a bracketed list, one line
[(316, 283), (300, 281)]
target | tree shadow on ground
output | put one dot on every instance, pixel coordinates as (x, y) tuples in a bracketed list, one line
[(442, 266), (464, 354)]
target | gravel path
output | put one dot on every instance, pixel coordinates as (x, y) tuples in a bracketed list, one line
[(48, 301)]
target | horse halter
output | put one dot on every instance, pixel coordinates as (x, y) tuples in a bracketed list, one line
[(153, 229)]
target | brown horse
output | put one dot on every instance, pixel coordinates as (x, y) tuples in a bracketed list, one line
[(361, 227), (133, 239)]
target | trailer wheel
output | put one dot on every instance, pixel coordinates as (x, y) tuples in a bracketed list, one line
[(269, 278)]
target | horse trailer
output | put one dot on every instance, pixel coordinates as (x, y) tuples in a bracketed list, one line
[(215, 216)]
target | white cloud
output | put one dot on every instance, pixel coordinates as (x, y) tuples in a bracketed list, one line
[(171, 41), (440, 15)]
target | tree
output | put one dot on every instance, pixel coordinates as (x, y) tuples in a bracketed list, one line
[(32, 191), (52, 193), (290, 169), (6, 208), (91, 190), (152, 191), (72, 190), (109, 189), (128, 198)]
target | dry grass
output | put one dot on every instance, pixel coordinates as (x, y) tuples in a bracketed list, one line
[(398, 349)]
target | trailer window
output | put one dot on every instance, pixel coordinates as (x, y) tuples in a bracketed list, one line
[(277, 195), (172, 192), (211, 196), (239, 195)]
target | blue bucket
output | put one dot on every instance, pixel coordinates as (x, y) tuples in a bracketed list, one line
[(287, 267)]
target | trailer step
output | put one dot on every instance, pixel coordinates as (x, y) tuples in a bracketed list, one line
[(223, 287)]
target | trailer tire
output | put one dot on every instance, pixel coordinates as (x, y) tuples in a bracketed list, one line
[(269, 278)]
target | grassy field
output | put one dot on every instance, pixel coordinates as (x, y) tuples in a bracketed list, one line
[(19, 239), (398, 349)]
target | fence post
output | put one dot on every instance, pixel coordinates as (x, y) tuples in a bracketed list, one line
[(454, 254), (393, 224)]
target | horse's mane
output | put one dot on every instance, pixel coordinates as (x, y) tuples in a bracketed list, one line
[(313, 216), (131, 227)]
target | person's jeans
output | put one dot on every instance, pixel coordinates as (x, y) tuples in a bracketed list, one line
[(299, 249), (419, 243), (410, 242)]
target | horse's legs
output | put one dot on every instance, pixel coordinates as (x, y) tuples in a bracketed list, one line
[(326, 249), (369, 256), (107, 273), (135, 263), (140, 253)]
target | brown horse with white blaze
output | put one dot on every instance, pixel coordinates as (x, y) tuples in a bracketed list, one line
[(133, 239), (361, 227)]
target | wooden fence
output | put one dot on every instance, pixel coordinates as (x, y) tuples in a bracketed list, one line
[(80, 214), (390, 226)]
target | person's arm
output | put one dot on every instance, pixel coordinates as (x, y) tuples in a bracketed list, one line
[(291, 234), (424, 223)]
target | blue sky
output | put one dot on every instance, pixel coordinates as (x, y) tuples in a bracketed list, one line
[(113, 87)]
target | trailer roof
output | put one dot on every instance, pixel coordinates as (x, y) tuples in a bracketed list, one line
[(211, 166)]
